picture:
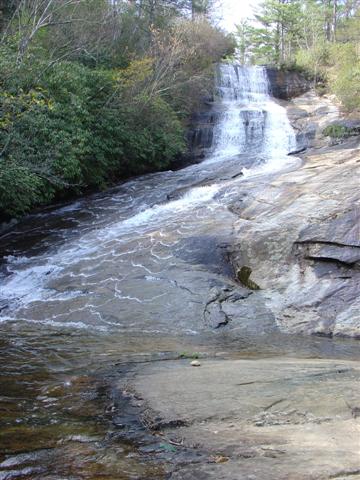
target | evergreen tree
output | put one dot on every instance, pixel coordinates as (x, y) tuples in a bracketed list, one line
[(320, 36)]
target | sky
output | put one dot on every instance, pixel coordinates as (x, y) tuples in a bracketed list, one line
[(234, 10)]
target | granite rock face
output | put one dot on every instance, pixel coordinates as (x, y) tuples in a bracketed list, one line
[(309, 114), (294, 247), (274, 419), (292, 238), (287, 84), (297, 234), (300, 234)]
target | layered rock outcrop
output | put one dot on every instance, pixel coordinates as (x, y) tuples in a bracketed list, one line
[(300, 234), (200, 132), (296, 235), (287, 84)]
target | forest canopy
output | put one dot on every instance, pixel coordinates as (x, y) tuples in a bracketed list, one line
[(96, 90), (93, 91)]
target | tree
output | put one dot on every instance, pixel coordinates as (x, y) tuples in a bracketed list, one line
[(92, 91), (275, 40), (322, 37), (244, 41)]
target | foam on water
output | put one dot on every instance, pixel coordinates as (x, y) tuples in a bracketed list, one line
[(191, 199), (27, 280), (250, 122)]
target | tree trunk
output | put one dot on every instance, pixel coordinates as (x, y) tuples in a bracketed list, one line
[(328, 21), (334, 21)]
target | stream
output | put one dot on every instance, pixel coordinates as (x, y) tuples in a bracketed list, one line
[(123, 277)]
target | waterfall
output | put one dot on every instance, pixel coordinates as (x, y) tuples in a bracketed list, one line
[(252, 127), (250, 120)]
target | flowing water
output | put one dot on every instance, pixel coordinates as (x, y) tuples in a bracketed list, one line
[(124, 276)]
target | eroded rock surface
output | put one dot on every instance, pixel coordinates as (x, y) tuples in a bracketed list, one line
[(256, 419), (300, 233), (287, 84)]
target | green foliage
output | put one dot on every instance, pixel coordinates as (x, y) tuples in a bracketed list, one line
[(75, 130), (335, 131), (272, 39), (347, 86), (192, 356), (345, 81), (320, 37), (339, 131), (20, 189), (314, 60), (92, 91)]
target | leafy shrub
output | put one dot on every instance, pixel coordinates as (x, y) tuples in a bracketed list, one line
[(339, 131), (335, 131), (314, 60), (91, 92), (20, 189), (78, 128)]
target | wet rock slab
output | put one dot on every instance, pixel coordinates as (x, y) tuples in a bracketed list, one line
[(300, 234), (257, 419)]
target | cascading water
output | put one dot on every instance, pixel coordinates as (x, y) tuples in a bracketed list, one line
[(250, 121), (251, 125), (122, 273)]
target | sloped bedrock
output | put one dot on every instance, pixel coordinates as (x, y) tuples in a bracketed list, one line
[(230, 304), (300, 236), (208, 251), (341, 230), (271, 418)]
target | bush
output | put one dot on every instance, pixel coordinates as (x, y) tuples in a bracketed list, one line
[(77, 129), (20, 189), (346, 80), (92, 91), (314, 60), (335, 131), (340, 131)]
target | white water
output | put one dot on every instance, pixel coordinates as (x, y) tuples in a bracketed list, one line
[(251, 123)]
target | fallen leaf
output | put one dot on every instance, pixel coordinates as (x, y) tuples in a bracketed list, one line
[(219, 459)]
